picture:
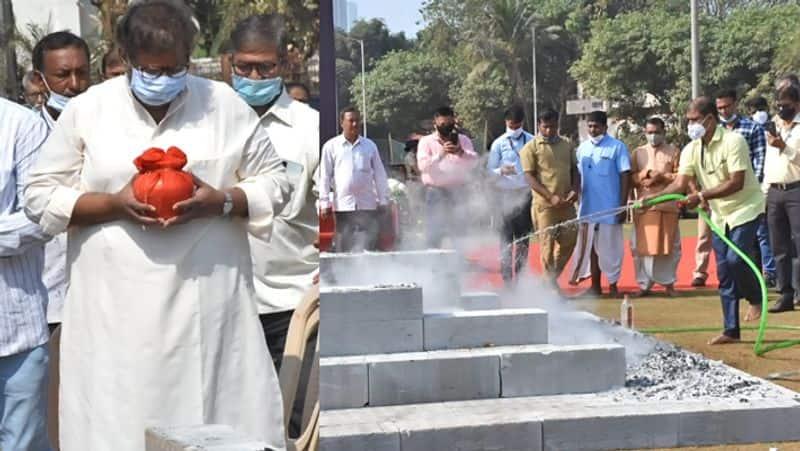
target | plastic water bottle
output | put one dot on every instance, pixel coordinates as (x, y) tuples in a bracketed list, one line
[(626, 312)]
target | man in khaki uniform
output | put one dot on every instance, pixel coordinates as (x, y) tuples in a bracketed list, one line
[(551, 169)]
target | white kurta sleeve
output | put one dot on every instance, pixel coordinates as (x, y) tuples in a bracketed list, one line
[(53, 184), (263, 179)]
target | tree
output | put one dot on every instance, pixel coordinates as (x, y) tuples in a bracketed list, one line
[(404, 88), (635, 54), (746, 54), (378, 41), (648, 52), (302, 20), (483, 96), (110, 11), (9, 86)]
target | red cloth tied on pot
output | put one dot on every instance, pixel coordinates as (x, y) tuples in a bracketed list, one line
[(161, 181)]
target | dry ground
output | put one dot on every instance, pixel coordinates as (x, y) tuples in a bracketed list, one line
[(702, 309)]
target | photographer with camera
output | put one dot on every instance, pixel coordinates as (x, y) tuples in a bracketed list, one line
[(445, 159)]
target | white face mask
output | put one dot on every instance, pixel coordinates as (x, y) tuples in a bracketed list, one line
[(761, 117), (514, 133), (696, 131), (55, 100), (728, 120), (596, 139)]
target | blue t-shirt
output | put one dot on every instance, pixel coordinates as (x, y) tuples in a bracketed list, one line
[(600, 166)]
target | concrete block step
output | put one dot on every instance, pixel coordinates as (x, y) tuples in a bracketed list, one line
[(573, 422), (462, 374), (479, 300), (368, 320), (437, 271), (480, 328), (210, 437)]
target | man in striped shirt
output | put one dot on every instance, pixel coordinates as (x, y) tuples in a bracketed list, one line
[(23, 296)]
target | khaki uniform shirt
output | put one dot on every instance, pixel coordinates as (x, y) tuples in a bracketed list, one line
[(551, 164)]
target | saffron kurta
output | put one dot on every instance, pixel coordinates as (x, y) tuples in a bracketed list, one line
[(655, 243), (160, 326)]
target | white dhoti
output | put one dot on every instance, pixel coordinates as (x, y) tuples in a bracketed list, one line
[(607, 242), (652, 269)]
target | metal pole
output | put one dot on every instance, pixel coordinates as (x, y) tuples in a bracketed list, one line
[(328, 125), (535, 98), (695, 51), (363, 89)]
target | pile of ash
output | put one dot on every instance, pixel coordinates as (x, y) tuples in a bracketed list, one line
[(673, 374)]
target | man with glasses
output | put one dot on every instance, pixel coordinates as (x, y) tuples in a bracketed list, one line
[(718, 161), (159, 316), (34, 95), (284, 265)]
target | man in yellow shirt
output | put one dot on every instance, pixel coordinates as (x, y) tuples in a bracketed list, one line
[(718, 161)]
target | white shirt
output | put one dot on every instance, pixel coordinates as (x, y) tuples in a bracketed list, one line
[(23, 297), (783, 166), (54, 274), (355, 174), (160, 323), (284, 265)]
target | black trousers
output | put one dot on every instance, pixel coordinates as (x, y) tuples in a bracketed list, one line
[(276, 326), (357, 231), (515, 223), (783, 218)]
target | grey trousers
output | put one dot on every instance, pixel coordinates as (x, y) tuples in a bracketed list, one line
[(783, 218)]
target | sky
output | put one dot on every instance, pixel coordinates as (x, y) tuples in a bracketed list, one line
[(399, 15)]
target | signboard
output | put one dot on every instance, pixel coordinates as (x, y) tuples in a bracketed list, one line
[(585, 106)]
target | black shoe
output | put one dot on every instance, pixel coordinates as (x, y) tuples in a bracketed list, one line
[(782, 305), (698, 282)]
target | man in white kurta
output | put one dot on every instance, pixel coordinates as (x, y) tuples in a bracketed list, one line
[(160, 325)]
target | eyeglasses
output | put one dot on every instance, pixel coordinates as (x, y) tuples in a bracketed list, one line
[(153, 73), (263, 69)]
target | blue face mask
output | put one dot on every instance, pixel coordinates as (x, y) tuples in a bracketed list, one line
[(257, 92), (55, 100), (157, 91)]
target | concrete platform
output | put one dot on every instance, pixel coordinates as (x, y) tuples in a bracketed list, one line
[(433, 376), (479, 300), (208, 437), (573, 422), (437, 271), (481, 328), (370, 319)]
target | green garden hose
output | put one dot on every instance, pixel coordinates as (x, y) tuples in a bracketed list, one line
[(758, 348)]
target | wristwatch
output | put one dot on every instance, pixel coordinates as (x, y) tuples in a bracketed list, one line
[(227, 206)]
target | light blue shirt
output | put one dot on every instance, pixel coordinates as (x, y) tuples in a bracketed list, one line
[(600, 166), (23, 296), (505, 151)]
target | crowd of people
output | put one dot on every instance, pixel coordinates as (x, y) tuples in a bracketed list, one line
[(742, 169), (169, 320)]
